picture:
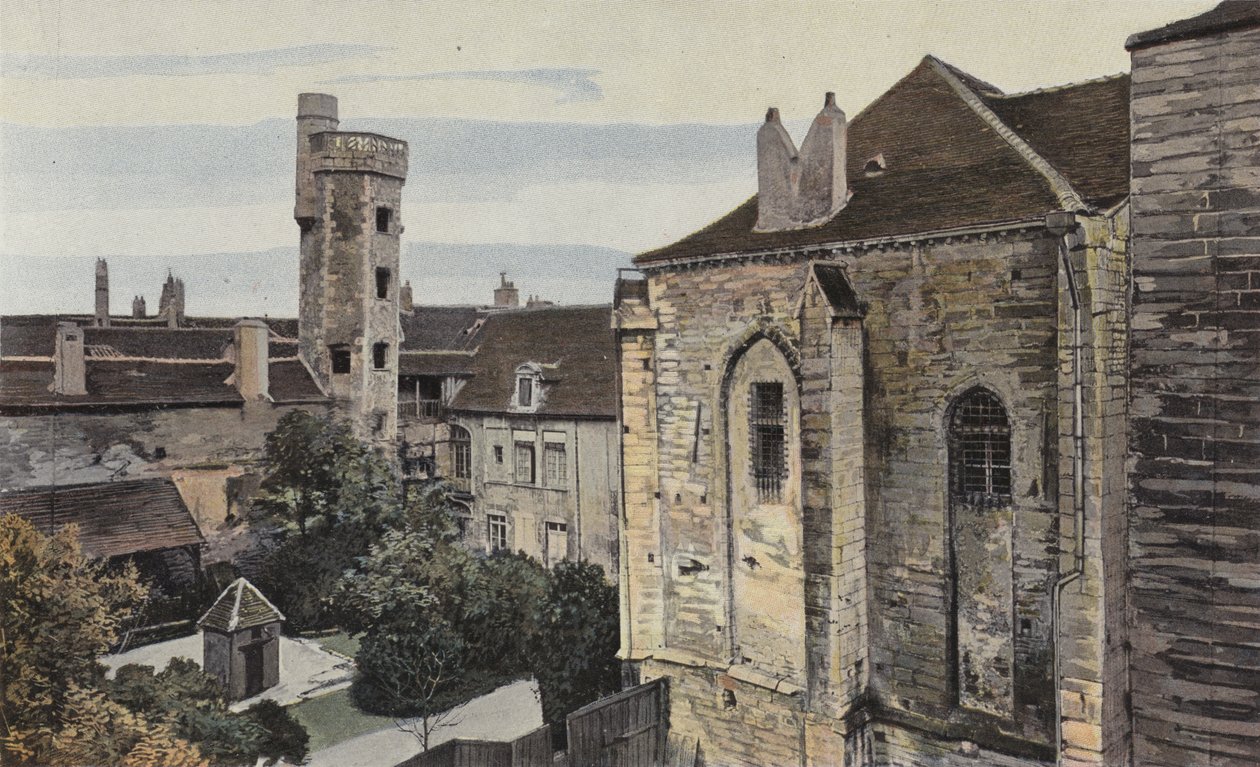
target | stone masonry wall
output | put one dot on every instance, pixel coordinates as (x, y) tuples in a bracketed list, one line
[(1194, 459)]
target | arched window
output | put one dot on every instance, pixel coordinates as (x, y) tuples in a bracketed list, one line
[(461, 453), (980, 449)]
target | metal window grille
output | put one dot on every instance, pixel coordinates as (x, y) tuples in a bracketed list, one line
[(766, 429), (555, 466), (461, 453), (524, 463), (497, 531), (981, 441)]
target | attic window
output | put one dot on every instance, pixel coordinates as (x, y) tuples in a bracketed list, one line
[(875, 166), (383, 215), (528, 390), (525, 391)]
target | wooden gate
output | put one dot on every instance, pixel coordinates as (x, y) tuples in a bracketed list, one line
[(625, 730)]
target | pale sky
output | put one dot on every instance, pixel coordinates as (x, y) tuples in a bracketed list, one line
[(147, 130)]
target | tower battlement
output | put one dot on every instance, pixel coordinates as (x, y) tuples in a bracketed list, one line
[(359, 153)]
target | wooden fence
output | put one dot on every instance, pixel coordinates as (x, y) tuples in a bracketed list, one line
[(624, 730)]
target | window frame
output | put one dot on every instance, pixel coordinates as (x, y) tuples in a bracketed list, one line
[(767, 436), (380, 355), (555, 451), (387, 217), (517, 447), (384, 282), (980, 449), (461, 453), (340, 353), (497, 520)]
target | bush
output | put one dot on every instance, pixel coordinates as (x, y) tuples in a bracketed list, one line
[(283, 736)]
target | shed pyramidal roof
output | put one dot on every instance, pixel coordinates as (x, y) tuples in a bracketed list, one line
[(240, 606), (957, 153)]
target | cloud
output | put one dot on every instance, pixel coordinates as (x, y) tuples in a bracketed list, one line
[(574, 85), (261, 62)]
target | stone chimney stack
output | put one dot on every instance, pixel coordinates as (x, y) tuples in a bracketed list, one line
[(250, 343), (138, 309), (824, 189), (69, 366), (506, 294), (102, 293), (405, 301), (796, 190), (171, 302), (317, 113)]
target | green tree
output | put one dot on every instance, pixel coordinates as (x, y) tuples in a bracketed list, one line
[(59, 611), (574, 651)]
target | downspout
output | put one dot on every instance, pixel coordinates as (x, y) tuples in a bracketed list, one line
[(1062, 224)]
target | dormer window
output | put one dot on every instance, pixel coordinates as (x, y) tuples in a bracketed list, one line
[(875, 166), (528, 392)]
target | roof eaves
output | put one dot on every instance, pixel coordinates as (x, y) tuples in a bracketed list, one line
[(1063, 191)]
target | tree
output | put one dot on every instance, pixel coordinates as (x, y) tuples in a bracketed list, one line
[(59, 611), (410, 675), (574, 652), (94, 730)]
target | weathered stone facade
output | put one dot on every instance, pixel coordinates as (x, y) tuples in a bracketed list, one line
[(1194, 479)]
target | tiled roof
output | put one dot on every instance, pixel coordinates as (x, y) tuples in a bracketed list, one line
[(441, 327), (34, 335), (1231, 14), (574, 346), (114, 518), (240, 606), (945, 166), (434, 363)]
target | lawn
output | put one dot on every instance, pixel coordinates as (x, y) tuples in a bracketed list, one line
[(340, 643), (332, 718)]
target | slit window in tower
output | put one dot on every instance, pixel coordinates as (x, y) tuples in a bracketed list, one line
[(380, 352), (382, 282), (340, 359), (768, 464), (383, 215)]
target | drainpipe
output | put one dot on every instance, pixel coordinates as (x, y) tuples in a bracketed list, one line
[(1062, 224)]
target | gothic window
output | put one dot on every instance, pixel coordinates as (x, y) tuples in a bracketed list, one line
[(767, 434), (461, 453), (383, 216), (980, 449), (380, 355), (382, 282)]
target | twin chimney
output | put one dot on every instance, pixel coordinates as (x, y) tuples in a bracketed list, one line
[(796, 190)]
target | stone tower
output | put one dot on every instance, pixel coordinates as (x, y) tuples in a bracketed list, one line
[(348, 199), (102, 293)]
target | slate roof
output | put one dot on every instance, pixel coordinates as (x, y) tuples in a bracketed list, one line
[(114, 518), (142, 365), (441, 327), (1229, 15), (240, 606), (434, 363), (574, 346), (946, 167)]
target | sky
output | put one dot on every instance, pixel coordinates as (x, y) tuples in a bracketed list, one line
[(552, 140)]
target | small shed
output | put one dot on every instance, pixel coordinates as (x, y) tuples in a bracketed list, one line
[(240, 636)]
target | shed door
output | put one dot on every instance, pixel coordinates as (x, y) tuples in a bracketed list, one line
[(253, 670)]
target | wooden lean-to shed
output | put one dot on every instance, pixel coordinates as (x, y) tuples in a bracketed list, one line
[(241, 640)]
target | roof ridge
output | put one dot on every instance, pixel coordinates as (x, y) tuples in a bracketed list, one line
[(1059, 186), (1063, 87), (963, 74)]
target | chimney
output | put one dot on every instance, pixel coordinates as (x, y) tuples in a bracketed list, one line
[(250, 344), (506, 294), (138, 309), (69, 367), (796, 190), (317, 113), (102, 293), (171, 302), (405, 302), (823, 189)]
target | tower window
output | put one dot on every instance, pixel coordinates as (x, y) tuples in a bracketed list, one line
[(380, 355), (382, 282), (980, 438), (383, 215), (767, 434), (340, 359)]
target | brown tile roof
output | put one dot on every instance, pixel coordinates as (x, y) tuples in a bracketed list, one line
[(114, 518), (240, 606), (1229, 15), (289, 382), (946, 168), (574, 346), (34, 335)]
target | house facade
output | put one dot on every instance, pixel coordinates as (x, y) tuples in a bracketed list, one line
[(877, 429)]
